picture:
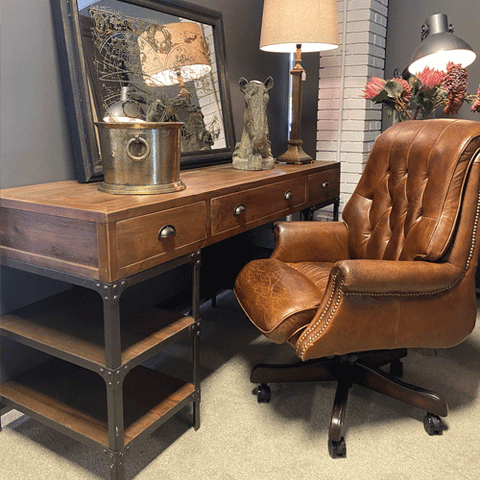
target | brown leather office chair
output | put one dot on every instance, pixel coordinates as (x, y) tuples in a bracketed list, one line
[(397, 273)]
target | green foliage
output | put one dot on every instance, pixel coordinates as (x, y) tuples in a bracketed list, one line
[(394, 89)]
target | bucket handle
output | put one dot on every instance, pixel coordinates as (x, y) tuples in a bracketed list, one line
[(146, 153)]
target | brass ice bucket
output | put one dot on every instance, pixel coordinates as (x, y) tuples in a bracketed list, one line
[(140, 158)]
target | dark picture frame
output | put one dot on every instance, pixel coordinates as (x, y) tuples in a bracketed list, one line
[(79, 87)]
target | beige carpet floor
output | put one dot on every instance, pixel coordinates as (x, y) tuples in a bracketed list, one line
[(286, 439)]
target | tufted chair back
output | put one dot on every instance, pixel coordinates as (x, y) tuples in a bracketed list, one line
[(406, 205)]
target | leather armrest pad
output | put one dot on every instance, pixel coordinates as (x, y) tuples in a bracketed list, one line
[(311, 242), (390, 277)]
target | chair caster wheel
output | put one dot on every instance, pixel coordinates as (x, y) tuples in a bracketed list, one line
[(432, 424), (264, 393), (337, 449)]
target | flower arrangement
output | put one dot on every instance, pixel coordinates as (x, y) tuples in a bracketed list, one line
[(420, 95)]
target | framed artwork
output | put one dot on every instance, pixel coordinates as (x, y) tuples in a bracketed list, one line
[(154, 60)]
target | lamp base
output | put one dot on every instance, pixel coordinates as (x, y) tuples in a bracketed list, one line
[(295, 154)]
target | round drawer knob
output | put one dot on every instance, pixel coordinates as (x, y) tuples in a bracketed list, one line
[(166, 232), (325, 184), (239, 209), (288, 196)]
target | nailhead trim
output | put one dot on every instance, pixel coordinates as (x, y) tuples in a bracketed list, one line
[(337, 301)]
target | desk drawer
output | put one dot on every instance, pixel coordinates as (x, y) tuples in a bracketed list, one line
[(239, 209), (324, 186), (160, 233)]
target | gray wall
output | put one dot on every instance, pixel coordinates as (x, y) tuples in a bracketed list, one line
[(33, 137), (34, 146), (405, 19)]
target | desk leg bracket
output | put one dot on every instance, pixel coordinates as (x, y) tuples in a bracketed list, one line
[(111, 291), (116, 462), (196, 396), (114, 378)]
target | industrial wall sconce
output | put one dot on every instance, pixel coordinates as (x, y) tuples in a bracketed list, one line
[(439, 46)]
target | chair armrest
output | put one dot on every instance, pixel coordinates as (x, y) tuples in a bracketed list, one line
[(385, 277), (383, 304), (311, 241)]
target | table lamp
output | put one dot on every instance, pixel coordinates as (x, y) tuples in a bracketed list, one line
[(292, 26), (172, 54), (439, 46)]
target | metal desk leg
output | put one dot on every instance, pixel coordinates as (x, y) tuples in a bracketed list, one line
[(196, 258), (114, 374), (336, 206)]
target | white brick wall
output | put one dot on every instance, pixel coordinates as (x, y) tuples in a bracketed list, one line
[(342, 112)]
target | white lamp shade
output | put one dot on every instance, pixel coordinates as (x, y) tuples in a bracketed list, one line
[(439, 60), (311, 23), (173, 50)]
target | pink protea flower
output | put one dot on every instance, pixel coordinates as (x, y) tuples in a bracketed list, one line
[(374, 87), (456, 78), (430, 77), (407, 91), (476, 104), (455, 83)]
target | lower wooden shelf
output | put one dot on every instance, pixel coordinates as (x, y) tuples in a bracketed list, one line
[(73, 400), (70, 326)]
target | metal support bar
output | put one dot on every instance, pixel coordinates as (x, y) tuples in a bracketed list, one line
[(196, 336), (196, 381), (111, 293), (308, 213), (336, 206), (113, 374), (114, 385), (197, 262)]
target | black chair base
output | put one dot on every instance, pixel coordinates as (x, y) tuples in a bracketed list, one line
[(361, 369)]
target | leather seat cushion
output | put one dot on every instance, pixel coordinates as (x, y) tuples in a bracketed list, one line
[(316, 272), (279, 298)]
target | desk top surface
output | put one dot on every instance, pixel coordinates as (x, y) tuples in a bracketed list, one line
[(84, 201)]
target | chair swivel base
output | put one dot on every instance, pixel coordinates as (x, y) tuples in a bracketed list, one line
[(361, 369)]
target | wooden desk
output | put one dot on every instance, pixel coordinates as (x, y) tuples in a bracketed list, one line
[(103, 244)]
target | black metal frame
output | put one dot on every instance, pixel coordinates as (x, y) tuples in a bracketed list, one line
[(114, 369), (76, 84), (309, 213)]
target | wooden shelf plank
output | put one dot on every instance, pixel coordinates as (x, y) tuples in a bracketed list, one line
[(73, 400), (70, 325)]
